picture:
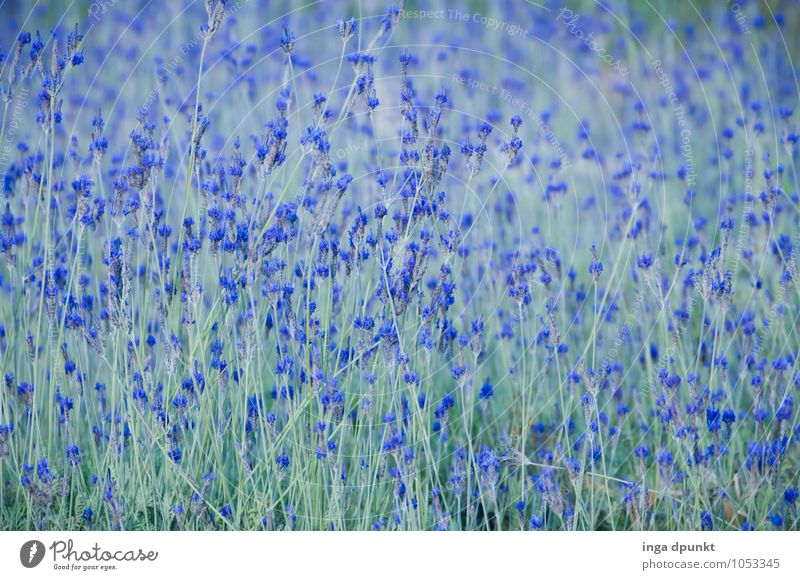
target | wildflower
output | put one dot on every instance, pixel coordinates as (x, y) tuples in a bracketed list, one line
[(175, 454), (73, 455), (287, 40), (595, 266), (216, 13), (706, 522), (226, 511), (776, 520), (346, 28), (515, 143), (43, 472), (713, 419), (645, 261)]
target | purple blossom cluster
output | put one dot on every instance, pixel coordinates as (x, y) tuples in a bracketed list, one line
[(267, 268)]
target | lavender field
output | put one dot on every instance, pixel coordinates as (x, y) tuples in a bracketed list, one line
[(336, 266)]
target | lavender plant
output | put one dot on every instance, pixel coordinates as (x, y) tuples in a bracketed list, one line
[(436, 267)]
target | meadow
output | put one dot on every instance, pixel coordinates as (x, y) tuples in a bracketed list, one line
[(333, 266)]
